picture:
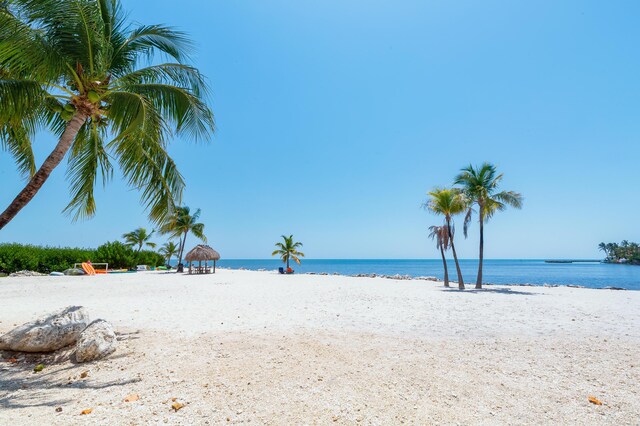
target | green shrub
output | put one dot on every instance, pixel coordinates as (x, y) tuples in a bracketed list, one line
[(116, 254), (18, 257), (119, 255), (151, 258)]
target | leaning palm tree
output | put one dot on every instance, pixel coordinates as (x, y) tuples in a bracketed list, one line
[(441, 235), (139, 238), (448, 202), (288, 249), (480, 185), (168, 250), (78, 69), (180, 224)]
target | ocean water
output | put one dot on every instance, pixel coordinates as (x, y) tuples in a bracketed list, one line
[(537, 272)]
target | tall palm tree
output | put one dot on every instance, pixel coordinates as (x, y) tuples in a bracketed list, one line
[(80, 70), (448, 202), (441, 235), (168, 250), (288, 249), (481, 186), (180, 224), (139, 238)]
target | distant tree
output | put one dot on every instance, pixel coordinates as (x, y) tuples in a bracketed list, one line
[(168, 250), (449, 202), (180, 224), (441, 235), (480, 185), (605, 248), (288, 249), (139, 238)]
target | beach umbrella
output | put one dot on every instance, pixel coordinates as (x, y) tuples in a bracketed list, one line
[(200, 253)]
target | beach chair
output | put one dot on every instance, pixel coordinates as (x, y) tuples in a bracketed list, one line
[(281, 270)]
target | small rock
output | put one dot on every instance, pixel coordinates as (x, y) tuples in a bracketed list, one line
[(97, 341), (27, 274)]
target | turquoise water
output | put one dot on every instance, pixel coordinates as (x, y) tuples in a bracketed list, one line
[(594, 274)]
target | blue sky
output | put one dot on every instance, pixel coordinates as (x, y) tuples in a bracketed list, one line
[(336, 117)]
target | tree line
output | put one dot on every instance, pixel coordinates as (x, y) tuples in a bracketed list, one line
[(137, 248)]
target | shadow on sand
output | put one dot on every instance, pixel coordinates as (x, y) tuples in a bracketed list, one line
[(21, 387), (505, 290)]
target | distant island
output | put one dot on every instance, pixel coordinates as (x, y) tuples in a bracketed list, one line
[(624, 253)]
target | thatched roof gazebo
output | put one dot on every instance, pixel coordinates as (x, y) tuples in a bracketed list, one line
[(201, 253)]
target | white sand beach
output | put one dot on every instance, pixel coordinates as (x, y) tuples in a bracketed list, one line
[(241, 346)]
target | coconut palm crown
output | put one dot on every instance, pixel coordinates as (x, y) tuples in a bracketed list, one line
[(78, 69), (139, 238), (168, 250), (180, 224), (449, 202), (288, 249), (481, 187)]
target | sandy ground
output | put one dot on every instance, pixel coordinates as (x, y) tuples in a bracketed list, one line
[(258, 347)]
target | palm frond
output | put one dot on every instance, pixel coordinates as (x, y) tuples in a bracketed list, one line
[(16, 140), (146, 40), (198, 231), (510, 198), (140, 148), (183, 111), (19, 99), (88, 158)]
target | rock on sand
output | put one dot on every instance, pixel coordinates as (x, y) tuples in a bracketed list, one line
[(47, 334), (97, 341)]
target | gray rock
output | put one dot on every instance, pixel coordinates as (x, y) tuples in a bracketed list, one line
[(97, 341), (27, 274), (47, 334), (74, 271)]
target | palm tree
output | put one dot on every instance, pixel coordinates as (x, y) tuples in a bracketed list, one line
[(168, 250), (441, 235), (288, 250), (449, 202), (138, 238), (604, 247), (180, 224), (480, 185), (79, 70)]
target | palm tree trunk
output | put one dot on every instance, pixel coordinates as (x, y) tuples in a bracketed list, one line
[(446, 271), (287, 263), (41, 176), (455, 256), (182, 243), (481, 257)]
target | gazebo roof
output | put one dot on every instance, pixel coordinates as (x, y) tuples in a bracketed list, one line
[(202, 252)]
